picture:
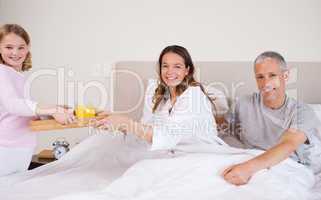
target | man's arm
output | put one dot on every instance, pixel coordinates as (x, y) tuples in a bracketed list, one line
[(241, 173)]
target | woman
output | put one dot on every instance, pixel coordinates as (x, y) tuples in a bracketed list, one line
[(181, 111)]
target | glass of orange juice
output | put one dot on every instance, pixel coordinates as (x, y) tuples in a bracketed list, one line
[(85, 112)]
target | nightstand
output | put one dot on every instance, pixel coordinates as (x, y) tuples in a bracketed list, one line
[(44, 157)]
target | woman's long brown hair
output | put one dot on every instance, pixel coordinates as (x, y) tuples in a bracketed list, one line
[(189, 79)]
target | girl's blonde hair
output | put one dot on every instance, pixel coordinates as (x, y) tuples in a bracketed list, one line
[(21, 32)]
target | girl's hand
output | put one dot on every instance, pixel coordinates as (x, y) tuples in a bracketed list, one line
[(64, 115)]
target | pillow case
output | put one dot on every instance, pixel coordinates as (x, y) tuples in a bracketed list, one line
[(317, 110), (219, 99)]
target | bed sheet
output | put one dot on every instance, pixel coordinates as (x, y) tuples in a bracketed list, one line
[(109, 166)]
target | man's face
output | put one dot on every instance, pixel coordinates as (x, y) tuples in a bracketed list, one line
[(270, 79)]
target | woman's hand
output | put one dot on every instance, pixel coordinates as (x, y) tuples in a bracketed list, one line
[(114, 122), (123, 123)]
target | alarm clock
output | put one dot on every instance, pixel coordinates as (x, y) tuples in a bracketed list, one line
[(61, 147)]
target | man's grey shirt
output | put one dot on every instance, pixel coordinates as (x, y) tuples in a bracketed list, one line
[(261, 127)]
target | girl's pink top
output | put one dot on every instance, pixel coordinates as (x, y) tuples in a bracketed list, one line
[(15, 110)]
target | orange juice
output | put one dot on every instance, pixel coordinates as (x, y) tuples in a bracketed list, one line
[(85, 112)]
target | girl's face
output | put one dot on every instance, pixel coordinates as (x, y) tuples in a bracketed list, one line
[(13, 50), (173, 69)]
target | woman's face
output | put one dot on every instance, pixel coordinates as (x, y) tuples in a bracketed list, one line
[(173, 69), (13, 50)]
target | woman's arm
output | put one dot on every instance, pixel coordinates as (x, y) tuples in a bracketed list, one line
[(142, 131), (114, 122)]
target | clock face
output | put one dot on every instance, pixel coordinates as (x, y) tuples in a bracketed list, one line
[(60, 151)]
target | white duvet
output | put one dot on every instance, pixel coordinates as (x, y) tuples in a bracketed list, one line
[(111, 167)]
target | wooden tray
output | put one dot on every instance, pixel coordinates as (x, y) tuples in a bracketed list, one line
[(51, 124)]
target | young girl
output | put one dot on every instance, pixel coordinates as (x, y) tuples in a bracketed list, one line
[(16, 142), (180, 111)]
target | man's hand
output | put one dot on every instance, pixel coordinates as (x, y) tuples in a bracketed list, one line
[(239, 174)]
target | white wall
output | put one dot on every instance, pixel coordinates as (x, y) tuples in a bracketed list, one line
[(87, 37)]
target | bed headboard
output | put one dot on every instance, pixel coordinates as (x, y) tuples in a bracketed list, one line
[(129, 80)]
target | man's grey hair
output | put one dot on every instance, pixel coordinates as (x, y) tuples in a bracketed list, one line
[(272, 55)]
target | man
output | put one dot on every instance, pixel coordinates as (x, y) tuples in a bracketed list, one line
[(272, 121)]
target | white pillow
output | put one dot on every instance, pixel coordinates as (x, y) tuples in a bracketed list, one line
[(219, 99), (317, 109), (147, 117)]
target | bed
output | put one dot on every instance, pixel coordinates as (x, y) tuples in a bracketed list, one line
[(111, 166)]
